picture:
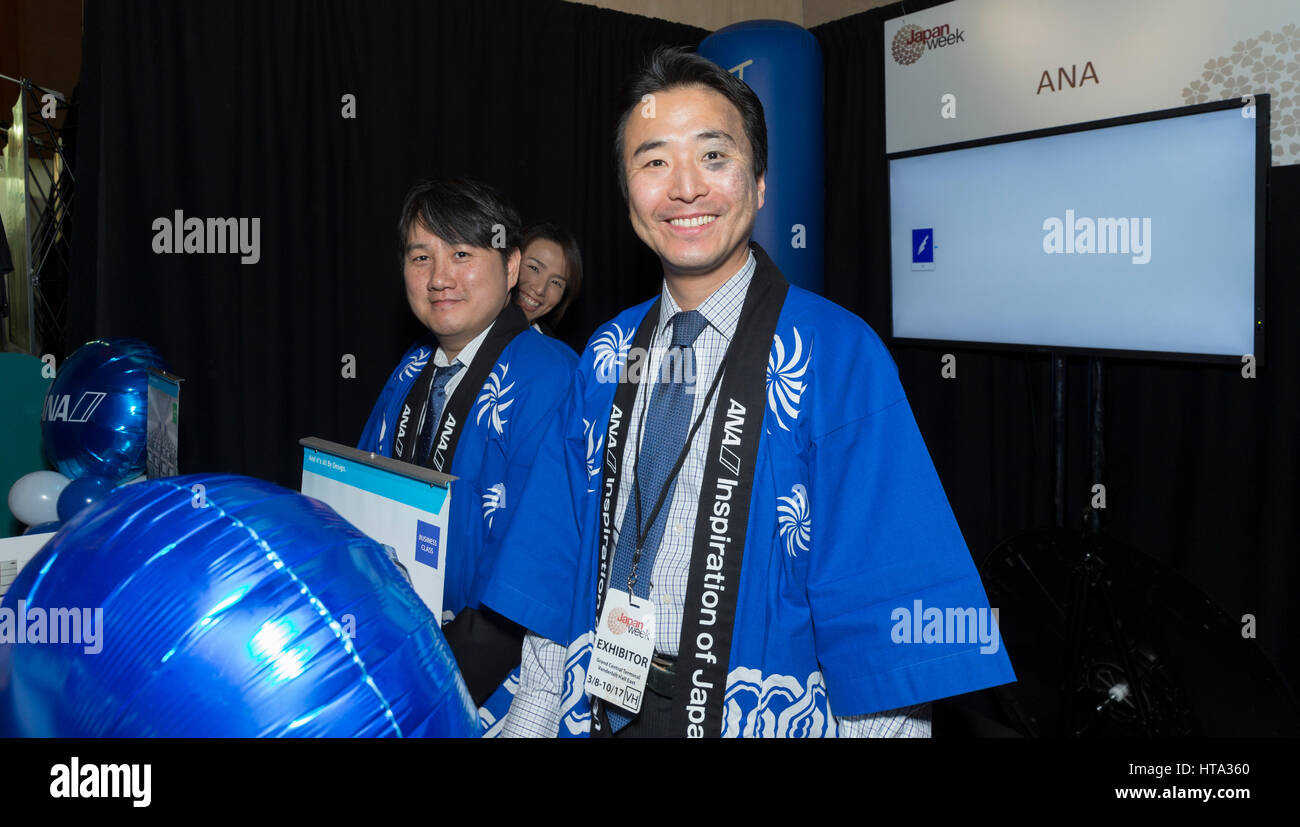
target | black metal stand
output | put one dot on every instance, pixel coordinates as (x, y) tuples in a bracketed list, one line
[(1090, 587), (43, 256), (1096, 437), (1096, 442), (1058, 436)]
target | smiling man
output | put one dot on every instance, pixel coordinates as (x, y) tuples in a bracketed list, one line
[(470, 399), (736, 541)]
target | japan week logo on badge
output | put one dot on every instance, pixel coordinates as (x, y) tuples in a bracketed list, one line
[(620, 622)]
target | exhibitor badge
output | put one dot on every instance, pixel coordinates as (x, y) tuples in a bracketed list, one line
[(625, 643)]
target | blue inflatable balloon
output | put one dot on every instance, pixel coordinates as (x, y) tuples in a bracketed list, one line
[(238, 608), (80, 493), (95, 416), (43, 528)]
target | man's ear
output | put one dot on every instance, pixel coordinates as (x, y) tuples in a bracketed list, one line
[(512, 268), (762, 189)]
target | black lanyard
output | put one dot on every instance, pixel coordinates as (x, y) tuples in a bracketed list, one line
[(672, 475)]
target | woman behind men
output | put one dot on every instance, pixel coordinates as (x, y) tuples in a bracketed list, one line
[(550, 275)]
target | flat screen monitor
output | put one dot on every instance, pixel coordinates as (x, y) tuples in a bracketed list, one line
[(1137, 236)]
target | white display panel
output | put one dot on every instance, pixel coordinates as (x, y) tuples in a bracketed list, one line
[(1136, 237)]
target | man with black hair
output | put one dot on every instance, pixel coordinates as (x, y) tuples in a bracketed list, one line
[(739, 542), (471, 399)]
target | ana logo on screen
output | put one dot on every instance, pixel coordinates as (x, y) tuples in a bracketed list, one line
[(923, 249), (1123, 236)]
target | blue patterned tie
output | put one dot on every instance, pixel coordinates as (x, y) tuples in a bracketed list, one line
[(437, 399), (666, 425)]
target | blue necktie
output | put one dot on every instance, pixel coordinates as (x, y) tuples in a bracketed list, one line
[(437, 399), (667, 422)]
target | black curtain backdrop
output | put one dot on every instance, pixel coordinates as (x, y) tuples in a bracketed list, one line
[(1200, 464), (233, 110)]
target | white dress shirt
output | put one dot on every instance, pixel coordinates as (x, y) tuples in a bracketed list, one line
[(465, 357)]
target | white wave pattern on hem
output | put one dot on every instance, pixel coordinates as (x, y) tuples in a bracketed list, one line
[(492, 725), (575, 710), (776, 706)]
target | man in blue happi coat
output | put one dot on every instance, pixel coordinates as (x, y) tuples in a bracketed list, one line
[(736, 528), (471, 399)]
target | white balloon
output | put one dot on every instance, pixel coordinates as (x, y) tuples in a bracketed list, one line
[(34, 498)]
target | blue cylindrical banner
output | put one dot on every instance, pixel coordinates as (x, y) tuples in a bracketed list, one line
[(782, 63)]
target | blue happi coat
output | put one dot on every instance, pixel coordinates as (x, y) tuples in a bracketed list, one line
[(507, 420), (851, 545)]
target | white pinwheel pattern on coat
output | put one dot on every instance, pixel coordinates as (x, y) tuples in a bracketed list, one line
[(785, 379), (610, 350), (493, 398), (595, 439), (794, 520), (409, 371), (415, 364), (494, 499)]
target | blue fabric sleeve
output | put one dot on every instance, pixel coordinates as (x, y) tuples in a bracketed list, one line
[(540, 557), (885, 537)]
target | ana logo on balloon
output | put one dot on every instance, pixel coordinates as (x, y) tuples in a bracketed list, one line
[(57, 407)]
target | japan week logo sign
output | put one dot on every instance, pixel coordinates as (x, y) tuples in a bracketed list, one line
[(905, 48), (912, 41)]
